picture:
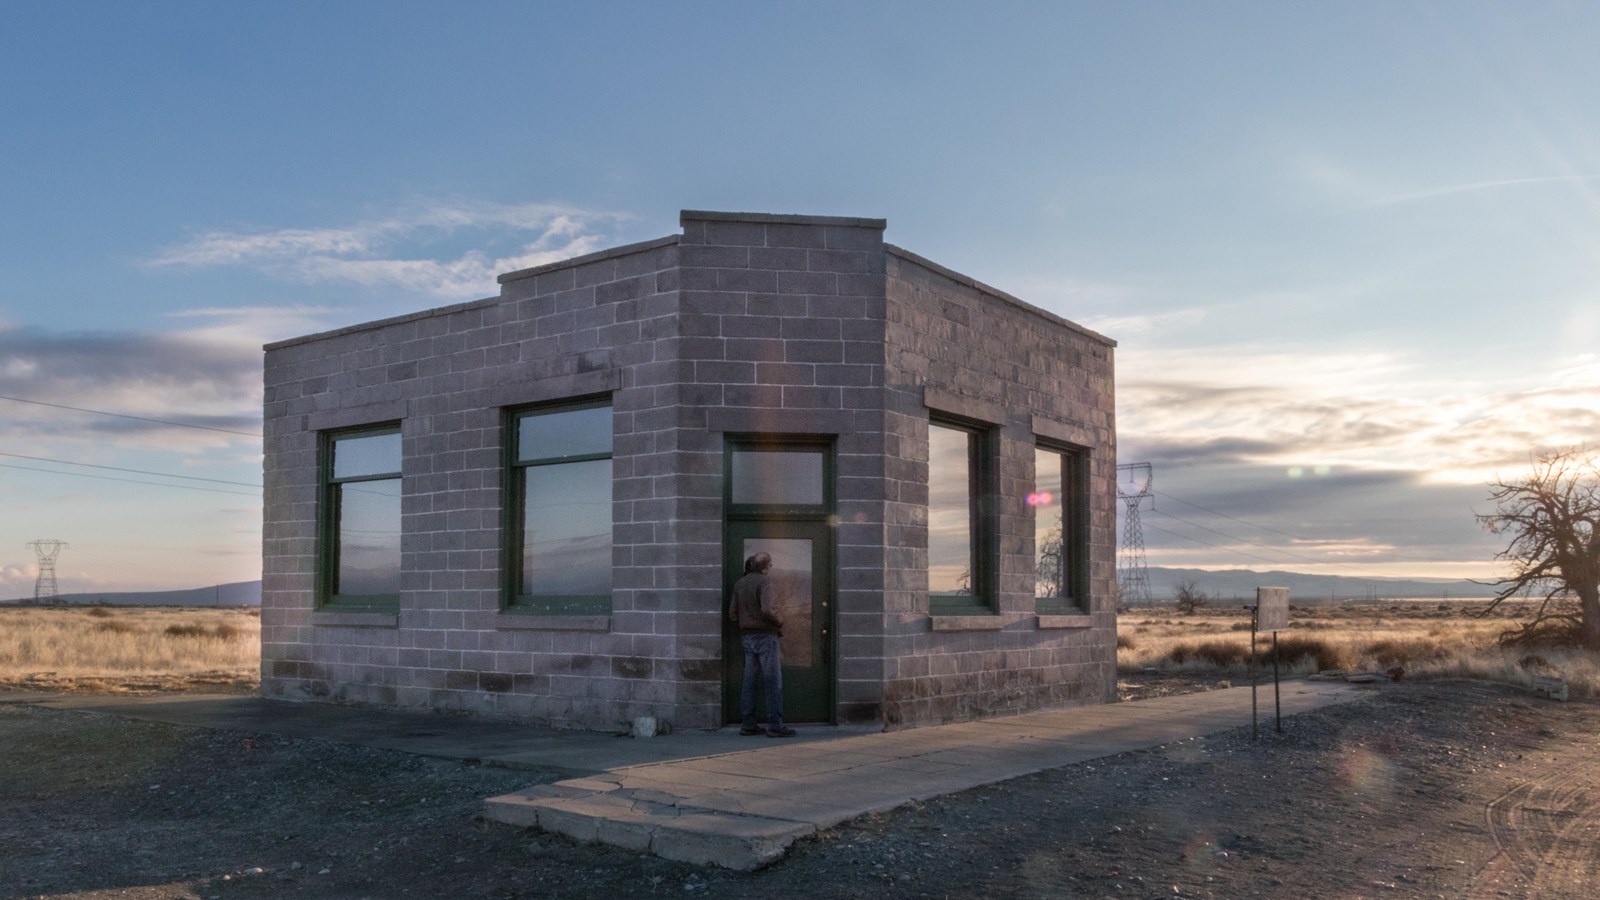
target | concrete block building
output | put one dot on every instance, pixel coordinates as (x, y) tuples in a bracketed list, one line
[(535, 505)]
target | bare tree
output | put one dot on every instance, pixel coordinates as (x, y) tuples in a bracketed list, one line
[(1048, 568), (1188, 596), (1553, 519)]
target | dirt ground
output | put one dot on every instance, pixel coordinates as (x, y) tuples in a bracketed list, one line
[(1436, 789)]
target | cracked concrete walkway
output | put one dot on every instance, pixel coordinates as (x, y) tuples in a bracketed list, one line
[(743, 809)]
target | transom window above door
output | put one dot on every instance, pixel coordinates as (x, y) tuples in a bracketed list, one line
[(778, 477)]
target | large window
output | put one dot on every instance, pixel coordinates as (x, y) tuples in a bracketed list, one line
[(961, 550), (1060, 532), (561, 509), (360, 526)]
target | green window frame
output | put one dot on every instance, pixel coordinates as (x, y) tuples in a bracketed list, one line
[(359, 524), (559, 520), (1060, 503), (963, 547)]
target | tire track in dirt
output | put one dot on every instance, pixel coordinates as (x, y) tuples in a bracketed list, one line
[(1546, 832)]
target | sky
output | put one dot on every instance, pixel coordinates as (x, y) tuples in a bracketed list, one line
[(1350, 252)]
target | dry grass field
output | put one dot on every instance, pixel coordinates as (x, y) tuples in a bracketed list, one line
[(1427, 640), (121, 649)]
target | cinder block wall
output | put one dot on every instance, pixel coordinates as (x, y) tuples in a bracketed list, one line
[(959, 347), (782, 320), (603, 323)]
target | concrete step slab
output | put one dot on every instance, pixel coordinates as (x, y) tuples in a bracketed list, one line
[(728, 839)]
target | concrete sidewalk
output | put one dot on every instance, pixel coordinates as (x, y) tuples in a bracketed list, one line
[(742, 810), (713, 797), (462, 737)]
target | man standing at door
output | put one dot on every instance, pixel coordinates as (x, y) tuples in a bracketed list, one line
[(755, 611)]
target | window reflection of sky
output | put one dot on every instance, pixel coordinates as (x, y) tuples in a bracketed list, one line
[(559, 435), (1049, 560), (567, 529), (949, 511), (368, 454), (369, 538)]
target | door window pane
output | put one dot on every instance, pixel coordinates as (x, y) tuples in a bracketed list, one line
[(777, 477), (791, 581)]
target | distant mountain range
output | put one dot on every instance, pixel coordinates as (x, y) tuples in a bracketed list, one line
[(1224, 584), (1242, 583), (240, 593)]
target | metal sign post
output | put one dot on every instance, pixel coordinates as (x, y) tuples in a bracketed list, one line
[(1255, 675), (1271, 614)]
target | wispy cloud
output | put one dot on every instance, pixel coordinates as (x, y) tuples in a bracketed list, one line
[(391, 252), (1353, 190), (193, 378), (251, 326), (1125, 327), (1360, 411), (1470, 187), (17, 581)]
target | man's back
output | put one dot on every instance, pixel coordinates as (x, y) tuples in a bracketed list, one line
[(755, 605)]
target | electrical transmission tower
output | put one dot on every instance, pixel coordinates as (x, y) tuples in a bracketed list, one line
[(1135, 481), (47, 549)]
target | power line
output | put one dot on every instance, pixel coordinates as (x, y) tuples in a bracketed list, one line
[(1235, 537), (1216, 546), (187, 487), (101, 412), (68, 462), (1226, 516)]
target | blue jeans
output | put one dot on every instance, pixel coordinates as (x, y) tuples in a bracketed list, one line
[(762, 660)]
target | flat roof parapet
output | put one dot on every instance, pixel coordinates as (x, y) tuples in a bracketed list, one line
[(994, 292), (704, 215), (596, 256)]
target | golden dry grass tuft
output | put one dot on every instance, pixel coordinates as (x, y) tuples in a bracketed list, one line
[(1427, 640), (130, 648)]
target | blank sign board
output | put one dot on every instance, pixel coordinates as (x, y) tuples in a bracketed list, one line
[(1272, 608)]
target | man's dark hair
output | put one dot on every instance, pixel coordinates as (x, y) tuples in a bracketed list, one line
[(758, 562)]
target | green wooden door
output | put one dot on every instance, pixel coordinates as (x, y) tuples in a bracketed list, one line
[(802, 572)]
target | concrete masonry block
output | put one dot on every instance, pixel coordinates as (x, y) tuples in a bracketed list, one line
[(787, 373), (743, 234), (781, 305), (758, 281), (812, 351), (822, 283), (851, 261), (812, 329), (780, 258), (803, 236), (751, 326), (846, 237)]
